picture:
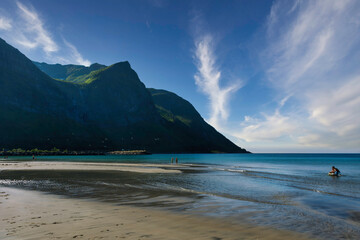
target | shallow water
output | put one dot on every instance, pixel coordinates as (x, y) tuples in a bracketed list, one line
[(287, 191)]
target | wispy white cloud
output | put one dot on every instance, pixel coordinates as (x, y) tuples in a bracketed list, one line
[(294, 6), (35, 31), (208, 80), (270, 128), (5, 23), (27, 30), (75, 55), (338, 108), (312, 56)]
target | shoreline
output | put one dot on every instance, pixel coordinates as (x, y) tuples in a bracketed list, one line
[(91, 166), (100, 153), (34, 215), (227, 187)]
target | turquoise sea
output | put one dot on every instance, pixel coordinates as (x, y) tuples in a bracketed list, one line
[(286, 191)]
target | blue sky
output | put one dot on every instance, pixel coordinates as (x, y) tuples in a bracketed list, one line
[(272, 76)]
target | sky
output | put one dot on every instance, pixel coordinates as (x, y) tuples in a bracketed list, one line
[(272, 76)]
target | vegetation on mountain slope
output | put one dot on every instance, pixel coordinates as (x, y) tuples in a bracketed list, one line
[(95, 108)]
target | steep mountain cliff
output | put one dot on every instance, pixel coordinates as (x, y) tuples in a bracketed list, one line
[(95, 108), (35, 110), (187, 125)]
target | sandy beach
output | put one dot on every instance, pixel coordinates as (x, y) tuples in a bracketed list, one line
[(36, 215), (87, 166), (33, 215)]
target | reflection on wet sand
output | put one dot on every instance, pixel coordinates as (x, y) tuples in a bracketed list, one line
[(31, 215), (241, 196)]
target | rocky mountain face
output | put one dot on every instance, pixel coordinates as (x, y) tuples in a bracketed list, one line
[(95, 108)]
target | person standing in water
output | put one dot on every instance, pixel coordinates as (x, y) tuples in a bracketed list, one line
[(334, 171)]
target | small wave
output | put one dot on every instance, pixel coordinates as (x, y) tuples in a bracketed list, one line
[(119, 185), (230, 170), (194, 165), (237, 170), (324, 192), (220, 195)]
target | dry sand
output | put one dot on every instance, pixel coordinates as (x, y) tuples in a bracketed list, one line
[(129, 167)]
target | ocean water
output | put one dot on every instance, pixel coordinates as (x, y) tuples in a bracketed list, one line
[(286, 191)]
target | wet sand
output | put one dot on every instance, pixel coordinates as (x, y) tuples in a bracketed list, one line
[(33, 215)]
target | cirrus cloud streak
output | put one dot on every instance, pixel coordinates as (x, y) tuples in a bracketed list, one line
[(312, 55), (27, 31), (208, 81)]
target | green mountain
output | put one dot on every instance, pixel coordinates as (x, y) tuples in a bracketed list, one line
[(186, 124), (95, 108), (68, 72)]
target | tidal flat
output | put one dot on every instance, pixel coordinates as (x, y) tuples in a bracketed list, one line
[(221, 196)]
